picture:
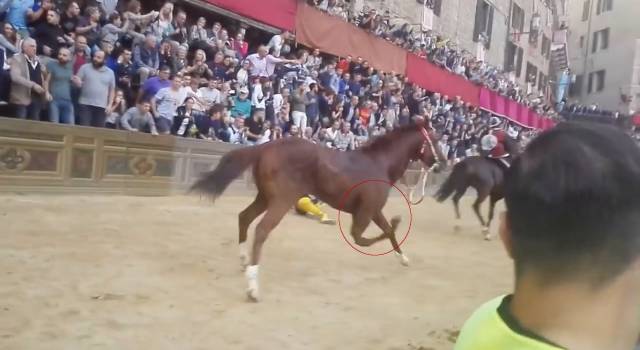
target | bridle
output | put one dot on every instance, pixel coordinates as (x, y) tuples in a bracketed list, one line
[(424, 174)]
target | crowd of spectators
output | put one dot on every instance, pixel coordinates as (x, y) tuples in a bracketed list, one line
[(166, 71), (441, 51)]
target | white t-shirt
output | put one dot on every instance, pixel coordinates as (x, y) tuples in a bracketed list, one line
[(276, 43), (209, 96), (263, 67)]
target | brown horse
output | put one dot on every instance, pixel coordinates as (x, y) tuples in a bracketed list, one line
[(485, 176), (286, 169)]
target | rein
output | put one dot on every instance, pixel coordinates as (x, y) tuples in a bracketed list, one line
[(424, 174)]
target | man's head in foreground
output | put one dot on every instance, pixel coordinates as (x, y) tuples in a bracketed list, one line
[(572, 228)]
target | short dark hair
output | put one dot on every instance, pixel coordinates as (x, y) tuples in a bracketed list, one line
[(573, 204)]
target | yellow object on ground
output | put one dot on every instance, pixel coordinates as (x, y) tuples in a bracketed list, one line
[(305, 205)]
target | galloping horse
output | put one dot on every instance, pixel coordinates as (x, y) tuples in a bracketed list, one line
[(286, 169), (485, 176)]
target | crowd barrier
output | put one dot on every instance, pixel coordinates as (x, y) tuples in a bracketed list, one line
[(44, 157)]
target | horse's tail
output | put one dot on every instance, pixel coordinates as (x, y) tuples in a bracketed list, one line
[(231, 166), (452, 183)]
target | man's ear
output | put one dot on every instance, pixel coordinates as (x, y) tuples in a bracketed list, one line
[(505, 233)]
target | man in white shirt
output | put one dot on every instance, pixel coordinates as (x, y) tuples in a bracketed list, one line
[(278, 41), (263, 64), (210, 94)]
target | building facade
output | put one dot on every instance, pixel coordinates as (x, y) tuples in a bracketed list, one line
[(470, 22), (604, 42)]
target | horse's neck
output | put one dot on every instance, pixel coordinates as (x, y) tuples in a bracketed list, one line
[(397, 158)]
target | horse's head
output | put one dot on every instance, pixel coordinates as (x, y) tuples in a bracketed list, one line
[(430, 154)]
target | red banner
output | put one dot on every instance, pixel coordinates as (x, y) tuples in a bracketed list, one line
[(433, 78), (333, 35), (516, 112), (277, 13)]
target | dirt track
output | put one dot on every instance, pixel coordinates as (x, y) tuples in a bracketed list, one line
[(106, 272)]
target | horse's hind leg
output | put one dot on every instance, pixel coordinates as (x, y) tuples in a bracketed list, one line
[(492, 205), (360, 222), (456, 206), (275, 212), (389, 231), (482, 195), (245, 218)]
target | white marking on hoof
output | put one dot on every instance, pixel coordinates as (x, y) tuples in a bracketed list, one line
[(244, 256), (252, 279), (487, 234), (403, 259)]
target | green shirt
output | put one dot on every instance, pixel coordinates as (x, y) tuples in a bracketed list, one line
[(491, 327)]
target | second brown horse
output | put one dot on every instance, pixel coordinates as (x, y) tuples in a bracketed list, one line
[(286, 169)]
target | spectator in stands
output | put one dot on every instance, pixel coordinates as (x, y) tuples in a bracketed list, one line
[(112, 31), (312, 103), (241, 104), (10, 40), (97, 90), (163, 26), (146, 58), (198, 32), (166, 102), (212, 126), (80, 52), (90, 27), (199, 69), (124, 74), (210, 94), (139, 118), (118, 108), (70, 18), (59, 79), (17, 16), (153, 85), (242, 76), (240, 46), (28, 82), (255, 127), (344, 140), (184, 124), (137, 19), (299, 107), (180, 34), (277, 43), (237, 131), (263, 64), (50, 36)]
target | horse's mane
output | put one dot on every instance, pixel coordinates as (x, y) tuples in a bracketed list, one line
[(385, 141)]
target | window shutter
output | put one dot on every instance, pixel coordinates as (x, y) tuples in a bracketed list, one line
[(490, 27), (478, 23)]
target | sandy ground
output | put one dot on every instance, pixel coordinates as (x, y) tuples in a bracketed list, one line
[(115, 272)]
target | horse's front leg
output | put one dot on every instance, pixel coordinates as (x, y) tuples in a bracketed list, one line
[(389, 231)]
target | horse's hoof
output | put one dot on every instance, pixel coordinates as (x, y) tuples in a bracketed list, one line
[(404, 261), (252, 295), (487, 237), (328, 221), (395, 221)]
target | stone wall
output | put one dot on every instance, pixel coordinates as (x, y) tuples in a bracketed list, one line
[(45, 157)]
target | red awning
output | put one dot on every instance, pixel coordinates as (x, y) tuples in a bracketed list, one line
[(433, 78), (335, 36), (277, 13)]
